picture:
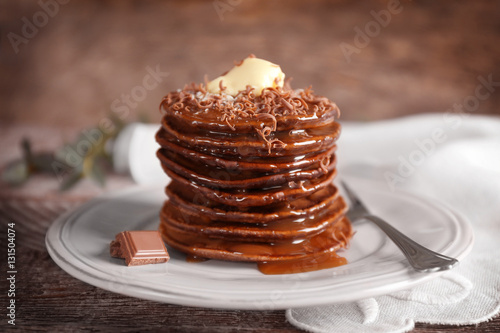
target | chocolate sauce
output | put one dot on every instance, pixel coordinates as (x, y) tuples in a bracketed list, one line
[(307, 264)]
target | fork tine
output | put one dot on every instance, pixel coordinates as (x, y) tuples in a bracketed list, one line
[(357, 208), (353, 198)]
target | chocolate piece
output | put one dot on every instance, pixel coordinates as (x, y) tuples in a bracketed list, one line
[(139, 248)]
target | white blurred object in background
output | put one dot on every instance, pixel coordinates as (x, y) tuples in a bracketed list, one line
[(134, 153)]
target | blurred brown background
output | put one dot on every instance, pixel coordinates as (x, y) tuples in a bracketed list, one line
[(75, 59)]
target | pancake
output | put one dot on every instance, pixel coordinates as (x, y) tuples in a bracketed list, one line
[(260, 197), (239, 179), (252, 177), (297, 208), (263, 164), (298, 109), (283, 228), (280, 143), (329, 241)]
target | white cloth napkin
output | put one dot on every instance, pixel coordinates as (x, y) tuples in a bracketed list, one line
[(454, 158)]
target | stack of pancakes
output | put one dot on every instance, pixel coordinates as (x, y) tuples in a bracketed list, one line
[(252, 176)]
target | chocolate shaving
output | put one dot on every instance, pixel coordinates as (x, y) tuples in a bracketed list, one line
[(269, 116), (221, 87), (324, 163), (276, 143)]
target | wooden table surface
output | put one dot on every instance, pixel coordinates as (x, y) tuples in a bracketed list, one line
[(48, 299)]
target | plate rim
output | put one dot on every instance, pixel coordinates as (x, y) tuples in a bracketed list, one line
[(57, 251)]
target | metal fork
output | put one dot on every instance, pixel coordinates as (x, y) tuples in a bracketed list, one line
[(420, 258)]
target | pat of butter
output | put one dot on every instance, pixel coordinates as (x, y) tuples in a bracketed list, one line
[(257, 73)]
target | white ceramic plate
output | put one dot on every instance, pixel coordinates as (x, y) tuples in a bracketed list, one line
[(79, 243)]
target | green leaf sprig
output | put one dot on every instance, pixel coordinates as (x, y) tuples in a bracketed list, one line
[(70, 163)]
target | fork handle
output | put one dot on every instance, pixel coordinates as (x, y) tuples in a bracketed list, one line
[(420, 258)]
